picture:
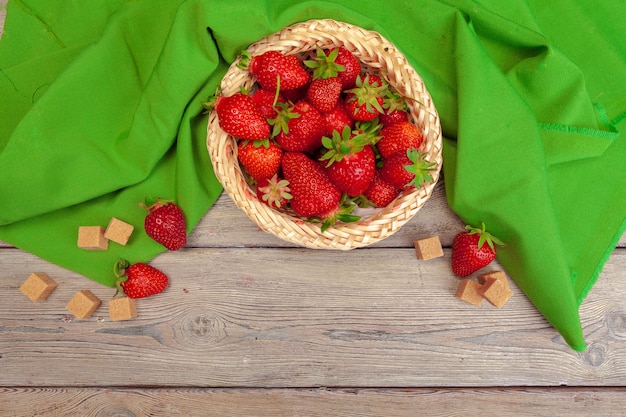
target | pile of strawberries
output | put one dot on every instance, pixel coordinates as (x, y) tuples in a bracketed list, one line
[(322, 136)]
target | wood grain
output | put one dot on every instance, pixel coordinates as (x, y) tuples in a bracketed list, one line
[(311, 402), (252, 325), (287, 317)]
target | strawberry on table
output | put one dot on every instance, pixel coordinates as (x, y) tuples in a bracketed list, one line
[(407, 169), (165, 223), (472, 250), (274, 70), (239, 116), (261, 158), (139, 280)]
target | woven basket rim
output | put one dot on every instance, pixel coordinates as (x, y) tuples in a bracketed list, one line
[(378, 55)]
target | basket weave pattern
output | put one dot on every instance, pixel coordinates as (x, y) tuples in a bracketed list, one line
[(378, 56)]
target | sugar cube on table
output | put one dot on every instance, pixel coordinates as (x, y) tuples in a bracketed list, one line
[(38, 286), (83, 304), (122, 308), (469, 291), (92, 238), (494, 291), (428, 248), (118, 231)]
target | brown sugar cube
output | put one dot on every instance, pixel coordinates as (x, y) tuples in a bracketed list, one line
[(495, 292), (83, 304), (122, 308), (468, 291), (499, 275), (428, 248), (38, 286), (118, 231), (92, 238)]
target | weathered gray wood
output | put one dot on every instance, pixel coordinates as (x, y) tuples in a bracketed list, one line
[(519, 402), (301, 318)]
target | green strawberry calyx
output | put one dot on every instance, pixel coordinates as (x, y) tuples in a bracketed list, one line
[(324, 66), (484, 236), (420, 166), (152, 203), (119, 269), (367, 94)]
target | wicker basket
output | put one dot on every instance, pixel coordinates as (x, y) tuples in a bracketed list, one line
[(379, 56)]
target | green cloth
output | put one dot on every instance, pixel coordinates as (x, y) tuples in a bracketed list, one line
[(100, 106)]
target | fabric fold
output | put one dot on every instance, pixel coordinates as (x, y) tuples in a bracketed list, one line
[(101, 106)]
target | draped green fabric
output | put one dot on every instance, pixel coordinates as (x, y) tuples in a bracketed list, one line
[(100, 106)]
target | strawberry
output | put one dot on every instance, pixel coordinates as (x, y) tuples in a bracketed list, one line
[(313, 193), (299, 128), (323, 93), (405, 169), (265, 101), (396, 109), (275, 71), (165, 223), (351, 66), (337, 119), (380, 193), (472, 250), (239, 117), (295, 94), (273, 191), (399, 137), (325, 87), (365, 101), (139, 280), (351, 161), (390, 117), (260, 158)]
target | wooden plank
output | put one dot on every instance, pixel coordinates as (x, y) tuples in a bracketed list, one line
[(519, 402), (302, 318)]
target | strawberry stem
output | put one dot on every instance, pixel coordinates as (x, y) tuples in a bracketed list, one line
[(485, 237)]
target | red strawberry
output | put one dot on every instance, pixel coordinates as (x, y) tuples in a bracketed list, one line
[(394, 116), (323, 93), (260, 158), (265, 101), (313, 193), (472, 250), (139, 279), (273, 191), (275, 70), (300, 128), (396, 109), (407, 169), (379, 192), (365, 101), (165, 223), (295, 94), (351, 161), (337, 119), (238, 116), (399, 137), (351, 66)]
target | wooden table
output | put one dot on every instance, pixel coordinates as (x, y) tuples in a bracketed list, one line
[(254, 326)]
